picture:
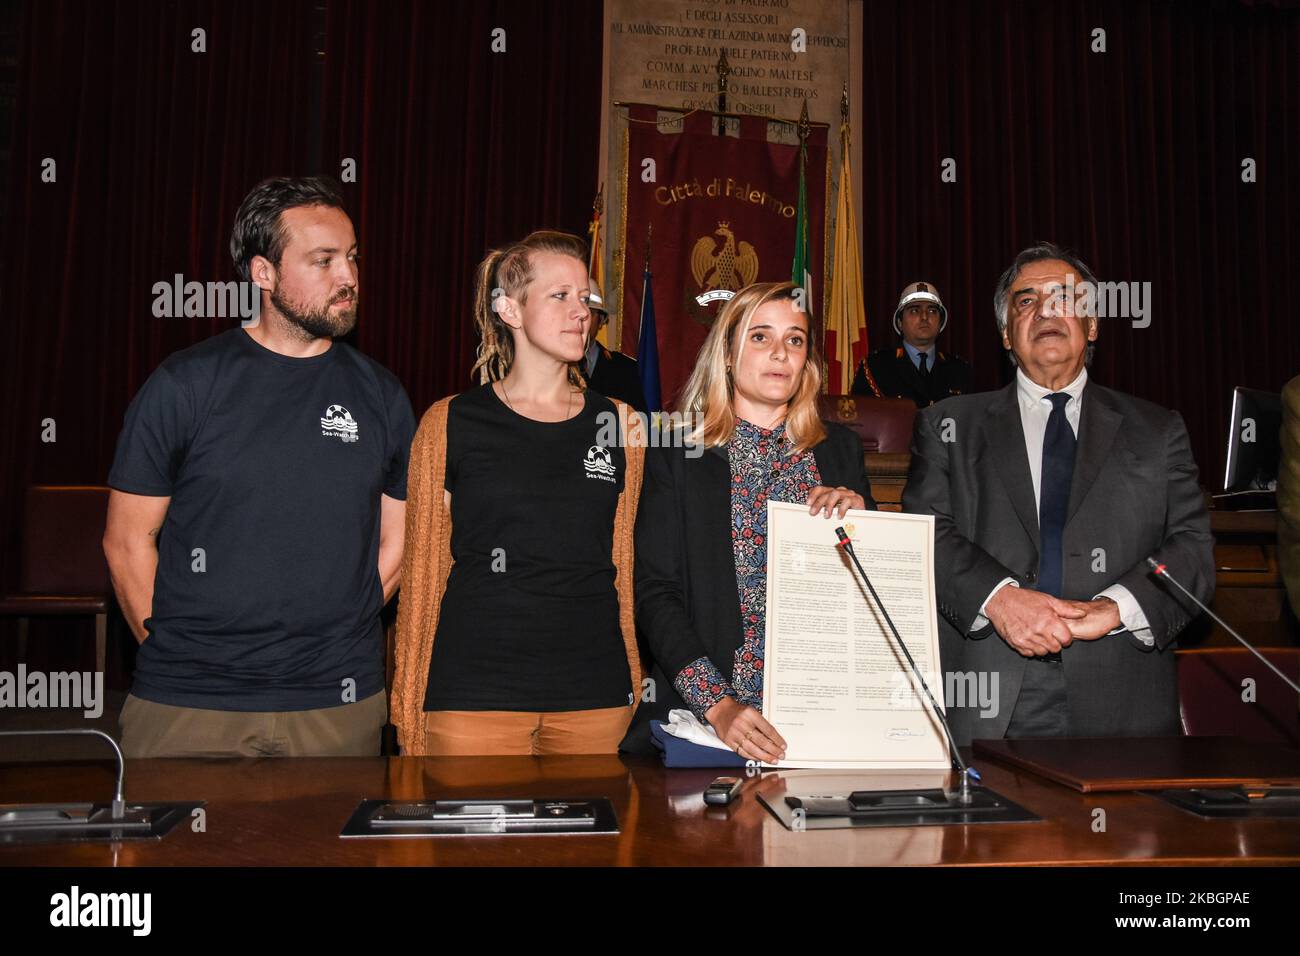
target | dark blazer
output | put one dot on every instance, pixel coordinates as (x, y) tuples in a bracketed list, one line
[(896, 377), (615, 375), (1134, 494), (687, 606)]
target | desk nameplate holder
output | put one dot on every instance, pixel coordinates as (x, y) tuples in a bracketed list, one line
[(74, 822), (865, 809), (1234, 803), (509, 817)]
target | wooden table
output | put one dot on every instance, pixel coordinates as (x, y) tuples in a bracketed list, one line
[(290, 811)]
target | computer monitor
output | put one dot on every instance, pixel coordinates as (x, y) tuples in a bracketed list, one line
[(1254, 441)]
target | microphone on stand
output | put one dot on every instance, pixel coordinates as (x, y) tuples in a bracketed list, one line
[(80, 820), (1162, 571), (966, 772), (118, 809)]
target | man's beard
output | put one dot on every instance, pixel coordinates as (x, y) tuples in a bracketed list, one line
[(318, 323)]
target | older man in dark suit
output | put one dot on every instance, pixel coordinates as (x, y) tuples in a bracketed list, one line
[(1048, 497)]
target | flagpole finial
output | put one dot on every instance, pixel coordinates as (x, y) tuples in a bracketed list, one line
[(598, 204), (805, 127), (844, 104), (649, 233), (723, 70)]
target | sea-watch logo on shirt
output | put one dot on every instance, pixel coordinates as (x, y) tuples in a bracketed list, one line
[(337, 420), (598, 463)]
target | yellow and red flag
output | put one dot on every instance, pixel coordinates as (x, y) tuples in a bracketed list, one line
[(596, 266), (846, 317)]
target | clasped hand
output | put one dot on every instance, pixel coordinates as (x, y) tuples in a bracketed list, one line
[(1034, 623)]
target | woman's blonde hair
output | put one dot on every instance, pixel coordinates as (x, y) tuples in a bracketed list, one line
[(508, 271), (710, 391)]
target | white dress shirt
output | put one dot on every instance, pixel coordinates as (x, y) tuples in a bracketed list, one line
[(1035, 409)]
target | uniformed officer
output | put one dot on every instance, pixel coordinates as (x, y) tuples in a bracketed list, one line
[(916, 369), (607, 372)]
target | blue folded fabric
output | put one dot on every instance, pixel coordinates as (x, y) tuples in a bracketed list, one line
[(682, 753)]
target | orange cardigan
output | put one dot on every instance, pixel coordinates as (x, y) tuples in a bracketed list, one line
[(427, 561)]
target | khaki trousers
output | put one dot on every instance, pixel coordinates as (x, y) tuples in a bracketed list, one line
[(507, 732), (150, 729)]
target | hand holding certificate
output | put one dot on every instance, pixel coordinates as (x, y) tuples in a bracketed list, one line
[(835, 685)]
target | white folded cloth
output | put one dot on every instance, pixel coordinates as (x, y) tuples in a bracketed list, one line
[(685, 725)]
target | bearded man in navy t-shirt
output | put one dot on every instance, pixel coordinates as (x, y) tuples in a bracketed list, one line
[(256, 518)]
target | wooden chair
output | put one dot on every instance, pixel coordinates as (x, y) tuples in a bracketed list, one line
[(885, 427), (63, 571), (1210, 688)]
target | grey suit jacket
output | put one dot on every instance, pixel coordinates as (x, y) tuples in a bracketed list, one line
[(1134, 494)]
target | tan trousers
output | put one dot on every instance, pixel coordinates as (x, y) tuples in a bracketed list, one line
[(450, 733), (150, 729)]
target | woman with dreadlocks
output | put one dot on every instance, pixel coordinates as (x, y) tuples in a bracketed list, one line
[(515, 631)]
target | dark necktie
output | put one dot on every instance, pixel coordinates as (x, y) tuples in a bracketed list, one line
[(1054, 497), (1054, 493), (924, 371)]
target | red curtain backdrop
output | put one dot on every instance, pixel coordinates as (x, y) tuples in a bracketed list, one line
[(1133, 157), (459, 149), (154, 147)]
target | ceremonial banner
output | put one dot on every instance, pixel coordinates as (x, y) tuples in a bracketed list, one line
[(723, 211)]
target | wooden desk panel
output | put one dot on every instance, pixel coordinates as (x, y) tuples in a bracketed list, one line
[(888, 476), (289, 812)]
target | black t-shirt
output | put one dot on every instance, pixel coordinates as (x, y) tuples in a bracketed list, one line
[(529, 620), (267, 594)]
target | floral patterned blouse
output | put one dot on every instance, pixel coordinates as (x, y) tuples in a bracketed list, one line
[(763, 465)]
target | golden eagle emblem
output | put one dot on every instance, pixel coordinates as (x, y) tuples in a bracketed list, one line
[(732, 267), (719, 272)]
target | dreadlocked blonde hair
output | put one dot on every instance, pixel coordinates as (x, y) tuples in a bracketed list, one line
[(709, 391), (508, 271)]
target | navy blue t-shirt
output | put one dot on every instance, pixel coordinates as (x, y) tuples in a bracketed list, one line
[(267, 594)]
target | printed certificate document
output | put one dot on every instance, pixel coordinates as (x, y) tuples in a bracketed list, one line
[(835, 686)]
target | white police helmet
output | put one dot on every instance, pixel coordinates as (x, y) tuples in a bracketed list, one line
[(919, 292)]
